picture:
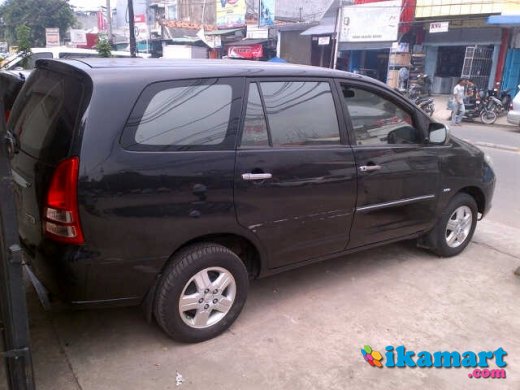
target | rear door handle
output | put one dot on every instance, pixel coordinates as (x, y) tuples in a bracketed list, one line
[(369, 168), (256, 176)]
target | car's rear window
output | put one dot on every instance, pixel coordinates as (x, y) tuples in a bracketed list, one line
[(46, 114)]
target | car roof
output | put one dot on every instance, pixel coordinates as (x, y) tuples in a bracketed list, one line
[(204, 67)]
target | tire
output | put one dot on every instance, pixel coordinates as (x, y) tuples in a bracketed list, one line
[(488, 117), (213, 283), (461, 213)]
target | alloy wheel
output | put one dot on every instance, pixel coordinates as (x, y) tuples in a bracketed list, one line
[(207, 297), (459, 226)]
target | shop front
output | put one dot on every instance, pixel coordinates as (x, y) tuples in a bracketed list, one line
[(461, 52)]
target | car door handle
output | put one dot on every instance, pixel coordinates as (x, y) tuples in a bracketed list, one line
[(369, 168), (256, 176)]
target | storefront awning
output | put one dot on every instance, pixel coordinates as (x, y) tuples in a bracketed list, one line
[(248, 42), (504, 20), (326, 27), (364, 45)]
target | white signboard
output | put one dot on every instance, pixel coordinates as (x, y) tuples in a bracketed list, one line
[(255, 32), (52, 37), (78, 37), (323, 41), (439, 27), (371, 22)]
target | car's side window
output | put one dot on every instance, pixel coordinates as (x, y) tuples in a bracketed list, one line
[(300, 113), (182, 115), (376, 120), (255, 126)]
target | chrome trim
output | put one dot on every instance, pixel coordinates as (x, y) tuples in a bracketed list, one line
[(395, 203), (369, 168), (256, 176)]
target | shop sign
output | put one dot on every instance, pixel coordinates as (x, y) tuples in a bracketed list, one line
[(140, 27), (371, 22), (429, 8), (52, 37), (231, 13), (439, 27), (322, 41), (246, 52), (255, 32), (78, 37)]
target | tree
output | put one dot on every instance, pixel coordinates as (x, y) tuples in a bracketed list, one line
[(37, 15), (23, 38), (103, 47)]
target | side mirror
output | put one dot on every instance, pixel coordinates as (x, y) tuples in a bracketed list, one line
[(437, 133)]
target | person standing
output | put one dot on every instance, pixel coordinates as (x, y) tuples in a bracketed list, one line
[(458, 103)]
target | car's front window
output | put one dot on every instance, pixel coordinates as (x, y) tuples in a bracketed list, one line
[(376, 120)]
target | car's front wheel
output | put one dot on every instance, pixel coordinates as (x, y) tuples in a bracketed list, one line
[(455, 228), (201, 292)]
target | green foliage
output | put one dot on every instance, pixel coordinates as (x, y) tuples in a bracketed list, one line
[(103, 47), (23, 38), (37, 15)]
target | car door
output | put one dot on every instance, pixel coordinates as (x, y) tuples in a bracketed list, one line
[(295, 176), (398, 172)]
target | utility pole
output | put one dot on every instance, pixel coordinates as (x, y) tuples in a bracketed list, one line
[(131, 26), (109, 20)]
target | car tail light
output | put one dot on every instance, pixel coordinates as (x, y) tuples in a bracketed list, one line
[(7, 114), (61, 216)]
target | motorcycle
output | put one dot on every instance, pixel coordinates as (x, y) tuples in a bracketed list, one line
[(504, 96), (421, 86), (483, 108), (426, 104)]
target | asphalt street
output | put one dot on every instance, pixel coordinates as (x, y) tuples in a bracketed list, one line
[(304, 329)]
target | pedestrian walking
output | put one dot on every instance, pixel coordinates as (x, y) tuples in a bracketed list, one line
[(458, 103)]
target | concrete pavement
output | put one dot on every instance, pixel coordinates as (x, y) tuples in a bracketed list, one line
[(304, 329)]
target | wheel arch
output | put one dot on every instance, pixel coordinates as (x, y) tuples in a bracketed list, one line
[(245, 249), (477, 194)]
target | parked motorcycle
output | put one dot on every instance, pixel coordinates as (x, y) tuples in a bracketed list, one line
[(482, 109), (420, 87), (424, 103), (504, 96)]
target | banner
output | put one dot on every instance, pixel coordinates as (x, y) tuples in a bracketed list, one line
[(78, 37), (267, 12), (248, 52), (372, 22), (231, 13)]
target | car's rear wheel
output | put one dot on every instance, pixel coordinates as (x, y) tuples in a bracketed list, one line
[(455, 228), (201, 292)]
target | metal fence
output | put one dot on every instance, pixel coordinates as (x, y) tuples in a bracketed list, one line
[(477, 65)]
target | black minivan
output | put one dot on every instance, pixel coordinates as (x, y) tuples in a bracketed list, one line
[(172, 183)]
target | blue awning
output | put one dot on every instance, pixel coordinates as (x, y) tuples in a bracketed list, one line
[(504, 20)]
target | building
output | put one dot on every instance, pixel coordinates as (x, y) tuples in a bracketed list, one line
[(458, 41)]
